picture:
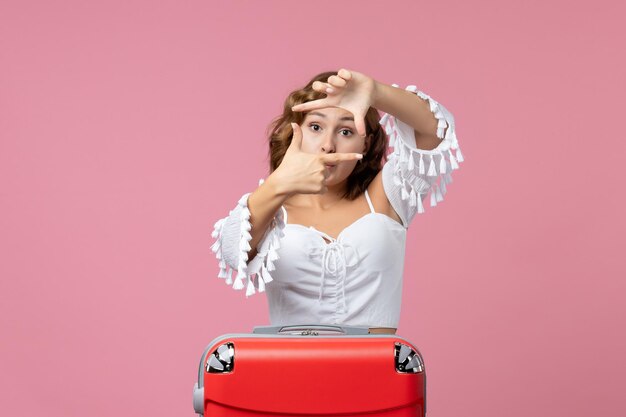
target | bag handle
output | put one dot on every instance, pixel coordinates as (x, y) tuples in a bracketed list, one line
[(311, 329)]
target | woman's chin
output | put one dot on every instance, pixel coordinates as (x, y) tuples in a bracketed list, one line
[(333, 180)]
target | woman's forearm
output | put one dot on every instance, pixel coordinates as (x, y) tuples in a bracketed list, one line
[(409, 108), (263, 204)]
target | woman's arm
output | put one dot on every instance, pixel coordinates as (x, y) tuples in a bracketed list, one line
[(234, 234), (412, 110), (299, 172), (426, 151), (248, 239), (263, 204)]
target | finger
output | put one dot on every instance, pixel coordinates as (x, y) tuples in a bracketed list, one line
[(321, 86), (336, 81), (325, 88), (296, 139), (344, 73), (360, 126), (311, 105), (339, 157)]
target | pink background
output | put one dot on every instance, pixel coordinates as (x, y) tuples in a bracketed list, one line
[(128, 128)]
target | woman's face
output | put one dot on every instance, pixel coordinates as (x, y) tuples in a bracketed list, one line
[(332, 130)]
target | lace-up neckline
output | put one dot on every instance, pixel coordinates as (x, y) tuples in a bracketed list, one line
[(337, 255)]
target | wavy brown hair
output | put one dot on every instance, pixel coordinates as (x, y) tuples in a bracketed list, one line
[(280, 135)]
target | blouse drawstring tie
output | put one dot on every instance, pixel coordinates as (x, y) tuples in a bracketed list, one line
[(335, 261)]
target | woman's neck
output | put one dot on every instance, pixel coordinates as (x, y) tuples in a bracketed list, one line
[(329, 199)]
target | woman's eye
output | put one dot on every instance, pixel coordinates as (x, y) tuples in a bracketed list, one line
[(342, 130)]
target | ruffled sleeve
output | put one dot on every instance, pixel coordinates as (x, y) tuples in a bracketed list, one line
[(232, 244), (410, 173)]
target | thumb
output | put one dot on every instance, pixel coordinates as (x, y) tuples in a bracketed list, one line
[(296, 139), (359, 123)]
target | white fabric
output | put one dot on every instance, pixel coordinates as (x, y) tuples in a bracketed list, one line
[(353, 280), (357, 278)]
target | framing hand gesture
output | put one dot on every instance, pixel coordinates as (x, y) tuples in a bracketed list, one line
[(350, 90), (305, 173)]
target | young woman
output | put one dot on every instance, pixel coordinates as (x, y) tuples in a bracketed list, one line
[(324, 234)]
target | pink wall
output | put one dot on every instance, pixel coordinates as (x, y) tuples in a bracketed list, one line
[(122, 141)]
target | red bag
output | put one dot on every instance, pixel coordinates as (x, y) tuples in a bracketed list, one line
[(317, 370)]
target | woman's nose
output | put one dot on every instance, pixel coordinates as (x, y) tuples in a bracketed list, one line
[(328, 144)]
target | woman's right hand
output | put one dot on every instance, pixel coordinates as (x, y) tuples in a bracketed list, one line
[(305, 173)]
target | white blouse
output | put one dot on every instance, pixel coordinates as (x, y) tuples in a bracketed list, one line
[(356, 279)]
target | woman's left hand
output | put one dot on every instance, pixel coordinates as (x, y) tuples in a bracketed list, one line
[(350, 90)]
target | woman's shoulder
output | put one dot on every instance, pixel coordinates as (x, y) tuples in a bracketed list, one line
[(379, 198)]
